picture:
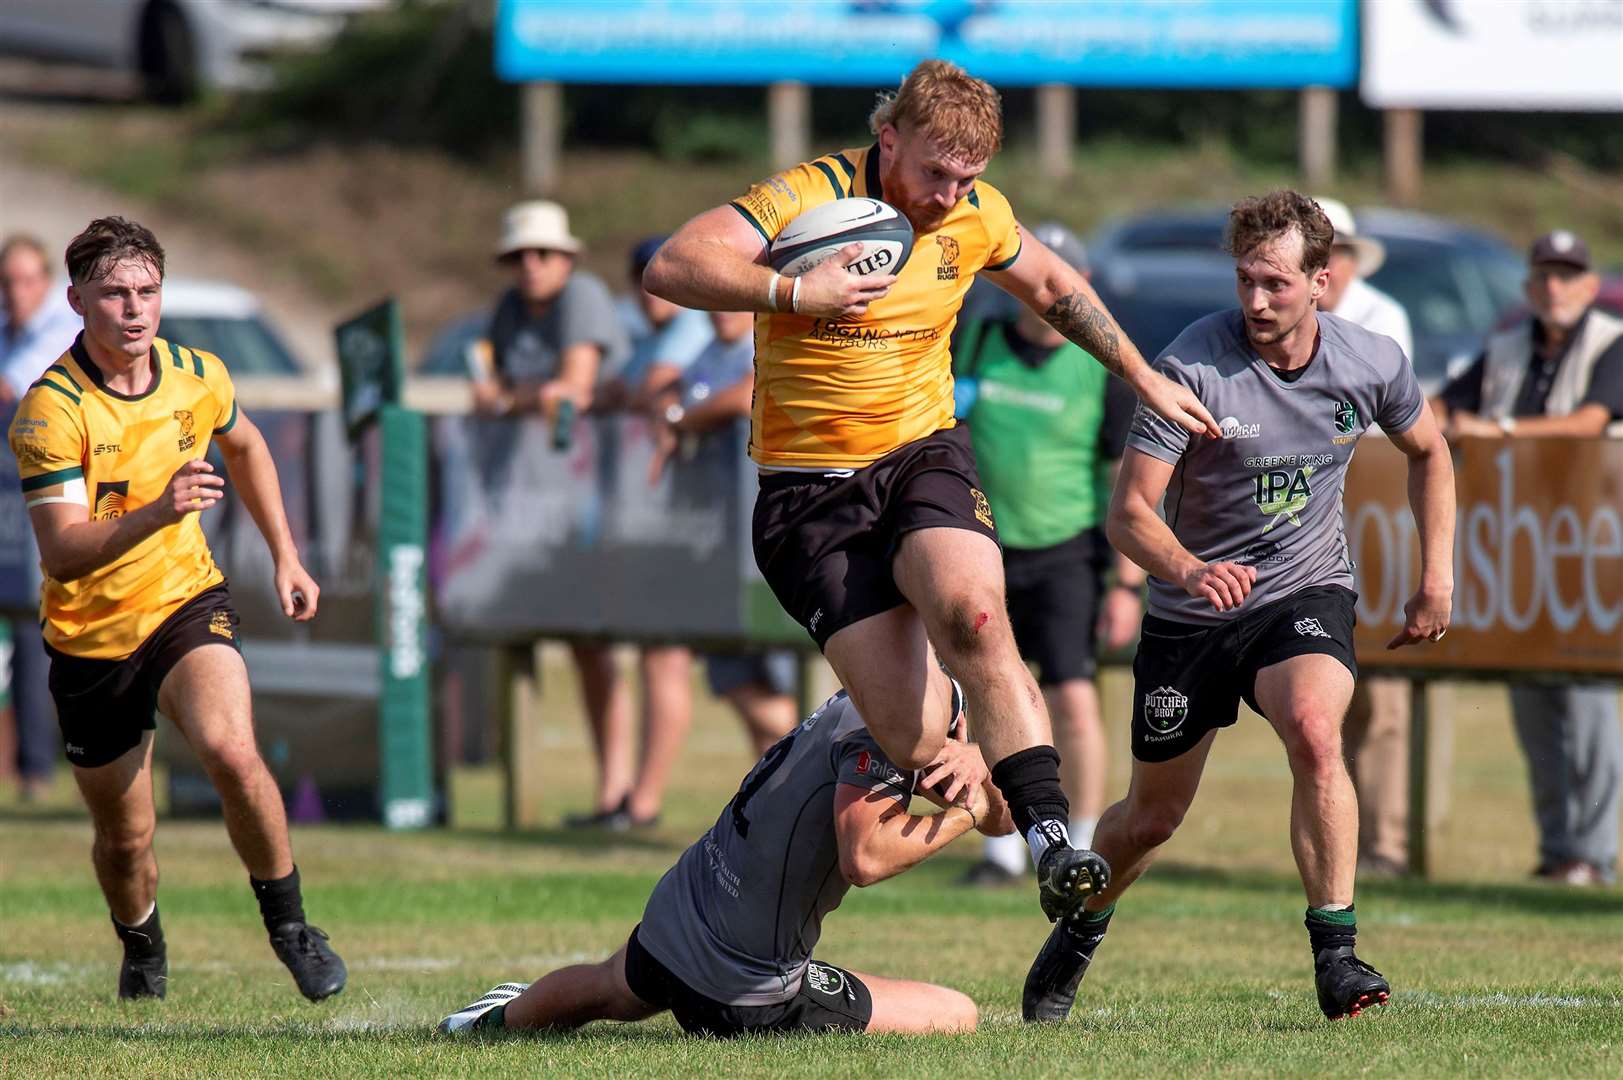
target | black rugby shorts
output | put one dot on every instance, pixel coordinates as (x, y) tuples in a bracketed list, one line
[(1189, 678), (825, 543), (105, 706)]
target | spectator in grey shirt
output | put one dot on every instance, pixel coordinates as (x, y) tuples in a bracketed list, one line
[(554, 330)]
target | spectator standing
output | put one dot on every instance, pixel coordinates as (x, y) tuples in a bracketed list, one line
[(1557, 373), (1048, 426), (1376, 733), (663, 340), (552, 334), (39, 325), (714, 390)]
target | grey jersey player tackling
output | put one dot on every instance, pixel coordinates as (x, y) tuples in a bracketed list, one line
[(726, 939), (1251, 588)]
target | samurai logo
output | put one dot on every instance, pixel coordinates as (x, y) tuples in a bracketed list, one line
[(187, 439), (1310, 628), (1165, 709), (1282, 495)]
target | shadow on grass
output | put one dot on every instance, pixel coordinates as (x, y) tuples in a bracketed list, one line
[(577, 840), (1529, 897)]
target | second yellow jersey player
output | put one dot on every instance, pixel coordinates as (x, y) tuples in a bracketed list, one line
[(842, 393), (78, 441)]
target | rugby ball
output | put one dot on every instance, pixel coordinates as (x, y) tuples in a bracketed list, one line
[(885, 235)]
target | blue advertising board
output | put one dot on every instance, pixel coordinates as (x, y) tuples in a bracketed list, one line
[(1160, 43)]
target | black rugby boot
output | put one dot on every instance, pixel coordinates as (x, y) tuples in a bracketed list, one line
[(1347, 985), (316, 969), (1055, 975), (1066, 876)]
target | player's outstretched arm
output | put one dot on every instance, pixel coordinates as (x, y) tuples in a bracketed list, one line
[(71, 545), (716, 263), (1431, 496), (253, 472), (1054, 289), (1137, 530), (879, 839)]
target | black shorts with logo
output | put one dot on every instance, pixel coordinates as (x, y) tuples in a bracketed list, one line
[(1054, 605), (825, 543), (831, 999), (104, 706), (1189, 678)]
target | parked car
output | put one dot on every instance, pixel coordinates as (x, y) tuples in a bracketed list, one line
[(227, 321), (177, 47), (1454, 281)]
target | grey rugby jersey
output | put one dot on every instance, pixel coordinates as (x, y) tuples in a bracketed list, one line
[(738, 915), (1269, 492)]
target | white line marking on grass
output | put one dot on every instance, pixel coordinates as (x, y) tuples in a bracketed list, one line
[(28, 973), (1501, 1000)]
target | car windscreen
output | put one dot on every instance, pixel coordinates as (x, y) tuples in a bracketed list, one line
[(247, 345)]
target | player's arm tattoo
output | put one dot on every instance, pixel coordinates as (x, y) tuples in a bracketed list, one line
[(1089, 326)]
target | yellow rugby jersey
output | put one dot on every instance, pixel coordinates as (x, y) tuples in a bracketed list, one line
[(841, 393), (77, 441)]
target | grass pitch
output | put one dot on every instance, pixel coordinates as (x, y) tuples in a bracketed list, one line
[(1206, 969)]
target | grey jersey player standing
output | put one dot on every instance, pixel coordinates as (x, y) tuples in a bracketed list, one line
[(727, 937), (1251, 588)]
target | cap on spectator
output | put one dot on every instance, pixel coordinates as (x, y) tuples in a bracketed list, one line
[(1370, 252), (538, 225), (1560, 246), (642, 253), (1064, 243)]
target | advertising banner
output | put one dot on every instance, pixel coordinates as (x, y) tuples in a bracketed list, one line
[(1493, 54), (1538, 557), (1187, 43), (534, 541), (316, 684)]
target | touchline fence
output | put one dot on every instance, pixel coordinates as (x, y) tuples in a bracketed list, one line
[(526, 542)]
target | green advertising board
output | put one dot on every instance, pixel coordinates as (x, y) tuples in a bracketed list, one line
[(370, 357)]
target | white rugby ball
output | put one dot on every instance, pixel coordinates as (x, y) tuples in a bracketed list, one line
[(885, 234)]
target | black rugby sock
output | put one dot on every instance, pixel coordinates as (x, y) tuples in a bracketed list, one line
[(280, 901), (1331, 929), (1029, 781), (144, 939)]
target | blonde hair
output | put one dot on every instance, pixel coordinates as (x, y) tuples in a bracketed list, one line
[(960, 112)]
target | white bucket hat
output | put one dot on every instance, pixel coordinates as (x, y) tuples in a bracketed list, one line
[(537, 224), (1371, 252)]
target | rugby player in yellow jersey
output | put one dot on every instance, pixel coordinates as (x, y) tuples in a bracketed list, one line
[(110, 445), (870, 525)]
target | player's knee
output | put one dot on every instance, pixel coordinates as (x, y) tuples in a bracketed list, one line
[(958, 1012), (234, 762), (897, 722), (1153, 825), (126, 843), (1314, 744), (977, 625)]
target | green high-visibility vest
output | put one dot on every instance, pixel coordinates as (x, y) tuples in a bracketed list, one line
[(1036, 434)]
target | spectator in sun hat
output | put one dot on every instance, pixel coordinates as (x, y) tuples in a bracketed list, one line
[(553, 329)]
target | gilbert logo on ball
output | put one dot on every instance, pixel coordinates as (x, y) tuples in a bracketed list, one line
[(815, 236)]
